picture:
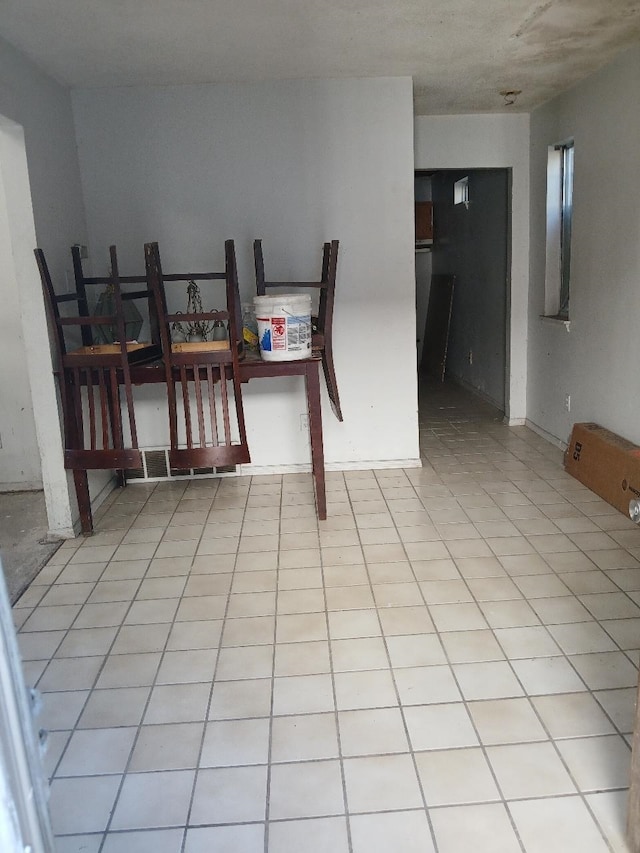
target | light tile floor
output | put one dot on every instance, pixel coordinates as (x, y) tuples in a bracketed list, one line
[(447, 663)]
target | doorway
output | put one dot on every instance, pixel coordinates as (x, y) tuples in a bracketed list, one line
[(472, 243), (30, 436)]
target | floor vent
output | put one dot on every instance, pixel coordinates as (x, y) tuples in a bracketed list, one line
[(155, 466)]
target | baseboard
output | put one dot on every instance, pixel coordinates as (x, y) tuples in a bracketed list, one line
[(27, 486), (98, 499), (457, 380), (561, 445), (250, 470), (364, 465), (96, 502), (514, 421), (374, 464)]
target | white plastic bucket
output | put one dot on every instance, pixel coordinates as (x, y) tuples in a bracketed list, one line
[(284, 326)]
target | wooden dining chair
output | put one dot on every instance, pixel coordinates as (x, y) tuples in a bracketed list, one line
[(322, 323), (206, 417), (90, 377)]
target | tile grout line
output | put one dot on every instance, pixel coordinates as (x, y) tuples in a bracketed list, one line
[(580, 793), (151, 687), (272, 684), (207, 709)]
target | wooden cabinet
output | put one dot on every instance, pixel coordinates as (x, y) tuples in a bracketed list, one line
[(424, 221)]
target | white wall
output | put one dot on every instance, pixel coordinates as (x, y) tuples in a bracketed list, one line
[(42, 202), (20, 466), (295, 163), (492, 141), (597, 361)]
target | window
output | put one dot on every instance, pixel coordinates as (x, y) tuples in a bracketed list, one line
[(461, 192), (559, 219)]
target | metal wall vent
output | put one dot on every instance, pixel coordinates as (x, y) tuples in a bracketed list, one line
[(155, 466)]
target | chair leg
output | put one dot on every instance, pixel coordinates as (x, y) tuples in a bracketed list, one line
[(315, 434), (73, 436), (332, 382), (81, 482), (115, 419)]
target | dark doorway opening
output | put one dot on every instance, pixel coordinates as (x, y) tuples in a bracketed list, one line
[(471, 245)]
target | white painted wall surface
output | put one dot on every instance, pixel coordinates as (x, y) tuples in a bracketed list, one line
[(597, 361), (37, 120), (20, 466), (492, 141), (296, 164)]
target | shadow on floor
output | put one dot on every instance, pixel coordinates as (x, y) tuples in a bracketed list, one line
[(25, 545), (452, 402)]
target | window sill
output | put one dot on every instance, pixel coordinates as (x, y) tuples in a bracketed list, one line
[(556, 321)]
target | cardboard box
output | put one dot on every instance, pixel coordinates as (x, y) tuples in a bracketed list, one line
[(606, 463)]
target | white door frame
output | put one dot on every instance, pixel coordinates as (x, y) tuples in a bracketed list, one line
[(15, 193)]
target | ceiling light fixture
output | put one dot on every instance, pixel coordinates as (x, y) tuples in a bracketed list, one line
[(510, 96)]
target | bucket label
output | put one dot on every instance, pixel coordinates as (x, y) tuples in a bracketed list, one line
[(265, 340), (278, 333), (297, 332), (283, 335)]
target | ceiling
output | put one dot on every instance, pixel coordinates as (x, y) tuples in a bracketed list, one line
[(460, 53)]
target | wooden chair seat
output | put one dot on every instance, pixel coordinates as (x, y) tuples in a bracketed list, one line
[(200, 346)]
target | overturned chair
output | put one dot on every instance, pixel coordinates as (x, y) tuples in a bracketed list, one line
[(93, 375), (322, 322), (206, 417)]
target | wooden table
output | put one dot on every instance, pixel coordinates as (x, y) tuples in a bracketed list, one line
[(253, 367)]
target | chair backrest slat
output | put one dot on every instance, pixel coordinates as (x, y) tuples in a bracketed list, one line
[(83, 305), (213, 414)]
